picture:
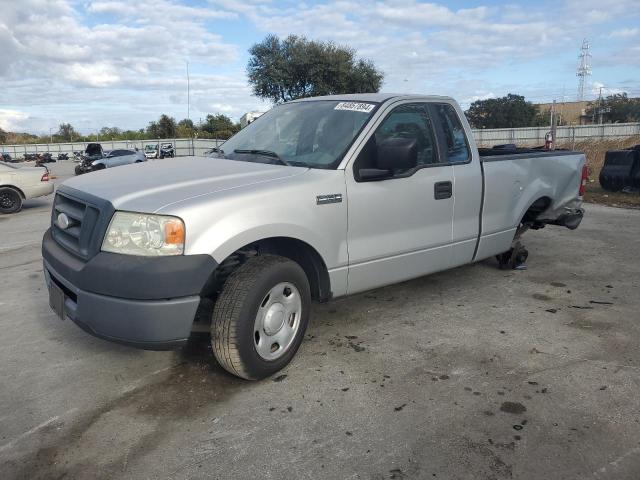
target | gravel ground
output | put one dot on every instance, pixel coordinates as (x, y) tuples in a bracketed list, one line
[(469, 374)]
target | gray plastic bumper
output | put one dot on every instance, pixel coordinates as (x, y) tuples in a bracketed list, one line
[(149, 324)]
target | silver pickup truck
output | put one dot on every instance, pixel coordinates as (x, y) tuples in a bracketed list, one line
[(317, 198)]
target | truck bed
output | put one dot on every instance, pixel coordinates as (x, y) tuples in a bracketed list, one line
[(515, 179)]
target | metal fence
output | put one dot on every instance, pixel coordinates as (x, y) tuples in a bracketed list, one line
[(528, 136), (183, 146)]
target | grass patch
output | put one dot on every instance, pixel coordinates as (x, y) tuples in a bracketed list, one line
[(595, 194)]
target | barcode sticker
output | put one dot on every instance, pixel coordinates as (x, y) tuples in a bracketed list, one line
[(355, 107)]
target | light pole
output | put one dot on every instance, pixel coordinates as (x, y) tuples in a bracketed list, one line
[(188, 93), (50, 135)]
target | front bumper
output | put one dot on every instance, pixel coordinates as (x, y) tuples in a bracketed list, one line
[(146, 302)]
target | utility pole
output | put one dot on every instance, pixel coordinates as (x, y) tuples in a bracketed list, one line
[(584, 67), (189, 108), (50, 135), (553, 125), (188, 94)]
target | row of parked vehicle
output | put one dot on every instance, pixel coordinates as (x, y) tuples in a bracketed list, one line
[(95, 158), (33, 157), (161, 150)]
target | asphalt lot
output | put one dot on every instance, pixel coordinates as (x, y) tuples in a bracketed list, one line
[(475, 373)]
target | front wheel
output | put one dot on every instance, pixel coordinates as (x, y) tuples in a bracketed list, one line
[(10, 200), (260, 317)]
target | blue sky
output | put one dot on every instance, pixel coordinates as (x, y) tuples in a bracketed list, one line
[(122, 63)]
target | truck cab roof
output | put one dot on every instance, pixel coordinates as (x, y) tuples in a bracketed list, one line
[(375, 97)]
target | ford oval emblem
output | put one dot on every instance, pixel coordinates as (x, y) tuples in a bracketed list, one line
[(63, 221)]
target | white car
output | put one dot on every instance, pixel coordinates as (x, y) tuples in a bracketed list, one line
[(21, 183)]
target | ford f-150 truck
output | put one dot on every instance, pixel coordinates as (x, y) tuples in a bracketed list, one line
[(317, 198)]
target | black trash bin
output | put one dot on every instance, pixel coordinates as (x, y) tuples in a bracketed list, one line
[(620, 168)]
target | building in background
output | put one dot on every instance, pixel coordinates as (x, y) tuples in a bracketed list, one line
[(249, 117), (570, 113)]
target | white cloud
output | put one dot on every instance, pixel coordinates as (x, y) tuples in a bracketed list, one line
[(123, 62), (625, 33), (598, 88), (12, 120)]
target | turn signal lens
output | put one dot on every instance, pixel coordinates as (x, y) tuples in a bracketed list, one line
[(45, 177), (583, 180), (174, 233)]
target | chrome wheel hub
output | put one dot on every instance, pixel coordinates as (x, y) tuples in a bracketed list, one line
[(277, 321)]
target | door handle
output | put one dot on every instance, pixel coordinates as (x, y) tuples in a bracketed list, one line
[(442, 190)]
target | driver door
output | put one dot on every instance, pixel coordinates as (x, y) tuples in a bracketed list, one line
[(400, 227)]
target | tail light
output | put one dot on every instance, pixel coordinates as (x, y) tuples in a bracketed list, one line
[(45, 177), (583, 180)]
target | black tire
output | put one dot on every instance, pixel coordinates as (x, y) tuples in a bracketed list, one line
[(79, 170), (234, 314), (10, 200)]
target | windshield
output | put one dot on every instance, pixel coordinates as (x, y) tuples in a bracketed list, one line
[(312, 134), (150, 148)]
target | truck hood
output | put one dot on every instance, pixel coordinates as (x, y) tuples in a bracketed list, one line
[(149, 186)]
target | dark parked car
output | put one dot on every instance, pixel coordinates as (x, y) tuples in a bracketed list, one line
[(5, 157)]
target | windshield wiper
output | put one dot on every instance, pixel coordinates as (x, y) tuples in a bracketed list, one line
[(265, 153)]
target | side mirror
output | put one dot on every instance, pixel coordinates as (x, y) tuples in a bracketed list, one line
[(397, 154)]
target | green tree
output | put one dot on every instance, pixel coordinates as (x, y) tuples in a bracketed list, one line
[(511, 111), (219, 126), (283, 70), (112, 133), (66, 132), (152, 130), (165, 127), (3, 136), (185, 128), (617, 108)]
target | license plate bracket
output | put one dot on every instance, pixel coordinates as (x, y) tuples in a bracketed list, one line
[(56, 300)]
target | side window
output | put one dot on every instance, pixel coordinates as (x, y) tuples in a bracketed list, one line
[(410, 121), (406, 121), (457, 150)]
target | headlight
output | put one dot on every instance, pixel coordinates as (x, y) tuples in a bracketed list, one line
[(144, 234)]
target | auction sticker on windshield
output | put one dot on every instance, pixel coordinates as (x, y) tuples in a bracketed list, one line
[(355, 107)]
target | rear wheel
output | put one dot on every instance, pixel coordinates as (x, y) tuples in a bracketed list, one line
[(260, 317), (10, 200)]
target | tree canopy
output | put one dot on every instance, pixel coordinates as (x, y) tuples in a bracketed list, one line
[(510, 111), (283, 70), (66, 132), (619, 108), (164, 127), (216, 126), (220, 126)]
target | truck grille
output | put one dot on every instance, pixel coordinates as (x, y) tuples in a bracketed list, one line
[(78, 237)]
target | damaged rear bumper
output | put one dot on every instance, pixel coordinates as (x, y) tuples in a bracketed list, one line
[(570, 219)]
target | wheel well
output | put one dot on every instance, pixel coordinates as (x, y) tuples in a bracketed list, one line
[(536, 208), (16, 189), (300, 252)]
